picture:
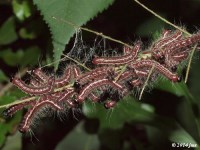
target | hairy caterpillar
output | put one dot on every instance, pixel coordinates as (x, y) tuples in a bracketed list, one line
[(13, 109), (96, 84), (110, 78), (119, 60), (44, 89), (42, 78), (150, 63), (42, 102), (100, 72)]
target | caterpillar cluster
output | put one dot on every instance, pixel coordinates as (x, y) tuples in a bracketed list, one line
[(111, 79)]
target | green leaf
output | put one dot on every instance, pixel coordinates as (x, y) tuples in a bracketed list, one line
[(194, 79), (8, 126), (11, 58), (3, 77), (25, 34), (152, 25), (111, 138), (158, 137), (185, 110), (188, 120), (85, 141), (181, 136), (171, 129), (178, 89), (31, 56), (132, 111), (7, 32), (14, 142), (20, 57), (33, 29), (127, 110), (75, 11), (22, 8), (155, 136)]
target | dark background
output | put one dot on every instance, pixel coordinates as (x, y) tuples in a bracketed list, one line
[(126, 21)]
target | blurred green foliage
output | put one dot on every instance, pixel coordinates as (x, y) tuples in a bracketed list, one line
[(7, 32), (22, 9), (29, 37)]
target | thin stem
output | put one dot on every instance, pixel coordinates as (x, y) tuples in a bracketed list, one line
[(78, 63), (69, 86), (91, 31), (161, 18), (18, 102), (146, 82), (49, 64), (122, 71), (182, 30), (117, 41), (177, 27), (189, 63)]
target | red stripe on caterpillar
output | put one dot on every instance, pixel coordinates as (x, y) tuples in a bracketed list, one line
[(100, 72), (181, 56), (184, 43), (177, 52), (93, 97), (86, 90), (59, 82), (39, 78), (40, 75), (14, 108), (65, 79), (63, 96), (165, 41), (136, 82), (47, 88), (175, 47), (127, 75), (142, 73), (26, 123), (165, 33), (160, 68), (76, 71), (162, 44), (35, 83), (171, 61), (66, 94), (127, 50), (110, 104), (118, 60)]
